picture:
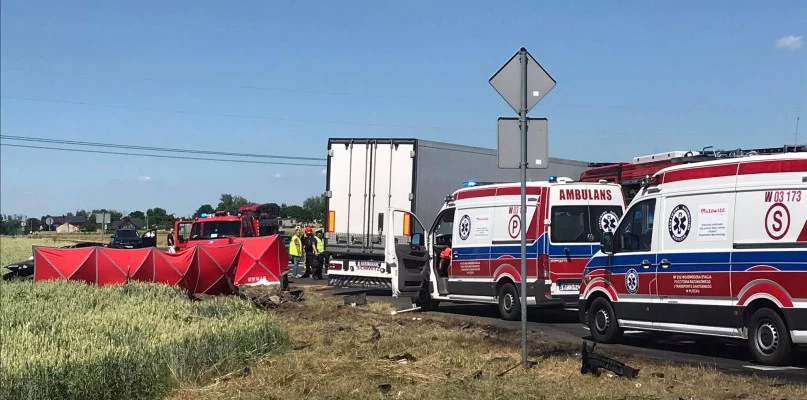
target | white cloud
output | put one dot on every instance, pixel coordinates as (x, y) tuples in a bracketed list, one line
[(790, 42), (143, 178), (324, 171), (278, 175)]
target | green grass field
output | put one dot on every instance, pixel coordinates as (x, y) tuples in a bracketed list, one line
[(69, 340)]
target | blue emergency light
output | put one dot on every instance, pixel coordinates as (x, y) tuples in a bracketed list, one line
[(203, 215), (553, 179), (469, 184)]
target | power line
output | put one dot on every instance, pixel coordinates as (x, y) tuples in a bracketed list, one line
[(379, 125), (160, 155), (147, 148)]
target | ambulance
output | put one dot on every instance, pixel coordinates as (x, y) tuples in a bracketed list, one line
[(482, 227), (713, 248)]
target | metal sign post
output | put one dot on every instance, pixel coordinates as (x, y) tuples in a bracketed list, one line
[(523, 119), (515, 80)]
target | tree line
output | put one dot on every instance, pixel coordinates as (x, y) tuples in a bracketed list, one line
[(314, 209)]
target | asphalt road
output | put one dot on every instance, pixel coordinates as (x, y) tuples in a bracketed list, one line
[(727, 355)]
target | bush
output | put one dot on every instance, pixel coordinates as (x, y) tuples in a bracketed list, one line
[(69, 340)]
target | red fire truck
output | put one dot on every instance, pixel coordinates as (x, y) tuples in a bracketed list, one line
[(632, 174), (251, 220)]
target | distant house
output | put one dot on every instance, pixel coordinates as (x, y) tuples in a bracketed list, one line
[(288, 222), (68, 224), (68, 228), (127, 223)]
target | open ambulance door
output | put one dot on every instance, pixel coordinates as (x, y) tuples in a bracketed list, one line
[(182, 232), (405, 252)]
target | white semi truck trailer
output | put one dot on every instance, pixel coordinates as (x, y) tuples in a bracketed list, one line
[(365, 177)]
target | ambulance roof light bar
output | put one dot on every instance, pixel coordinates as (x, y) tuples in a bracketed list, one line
[(475, 183), (562, 179)]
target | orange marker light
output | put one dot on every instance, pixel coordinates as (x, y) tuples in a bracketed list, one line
[(407, 225), (331, 221)]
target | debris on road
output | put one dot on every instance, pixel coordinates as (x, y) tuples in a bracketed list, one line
[(241, 373), (401, 358), (403, 311), (592, 363), (301, 346), (503, 373), (374, 336), (268, 297), (357, 299)]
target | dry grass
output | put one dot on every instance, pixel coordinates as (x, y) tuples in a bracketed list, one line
[(13, 249), (331, 360)]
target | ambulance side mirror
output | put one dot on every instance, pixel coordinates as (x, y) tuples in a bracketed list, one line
[(607, 243), (380, 222), (417, 239)]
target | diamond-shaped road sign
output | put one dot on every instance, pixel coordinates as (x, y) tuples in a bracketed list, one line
[(510, 142), (507, 81)]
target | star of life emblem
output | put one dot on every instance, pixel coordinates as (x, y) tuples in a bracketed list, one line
[(632, 281), (465, 227)]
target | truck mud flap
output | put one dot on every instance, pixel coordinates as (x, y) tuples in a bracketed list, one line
[(360, 282)]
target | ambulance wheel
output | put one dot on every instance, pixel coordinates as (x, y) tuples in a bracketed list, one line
[(425, 301), (768, 338), (602, 321), (509, 303)]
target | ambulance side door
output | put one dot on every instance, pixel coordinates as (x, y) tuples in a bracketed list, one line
[(631, 268), (406, 252)]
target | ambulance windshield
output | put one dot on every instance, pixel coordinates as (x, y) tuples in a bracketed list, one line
[(583, 224)]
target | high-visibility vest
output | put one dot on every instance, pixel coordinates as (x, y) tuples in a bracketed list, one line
[(294, 246), (320, 244)]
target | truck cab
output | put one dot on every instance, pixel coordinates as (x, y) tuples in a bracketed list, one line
[(211, 230), (252, 220), (482, 227)]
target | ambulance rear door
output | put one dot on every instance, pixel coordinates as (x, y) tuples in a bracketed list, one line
[(578, 215)]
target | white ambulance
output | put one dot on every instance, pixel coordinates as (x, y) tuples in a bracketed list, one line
[(482, 226), (727, 257)]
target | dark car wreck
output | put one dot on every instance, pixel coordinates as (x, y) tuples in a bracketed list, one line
[(126, 239), (24, 270)]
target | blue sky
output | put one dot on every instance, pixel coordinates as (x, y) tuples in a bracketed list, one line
[(281, 77)]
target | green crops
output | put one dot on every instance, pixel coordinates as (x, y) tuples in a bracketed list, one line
[(69, 340)]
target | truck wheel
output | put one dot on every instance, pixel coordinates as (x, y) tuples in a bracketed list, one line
[(602, 321), (509, 304), (768, 338)]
